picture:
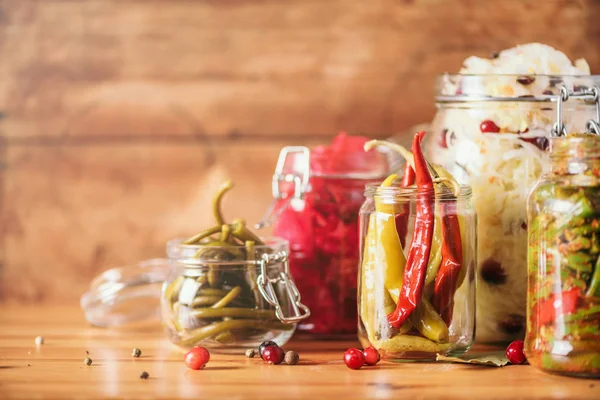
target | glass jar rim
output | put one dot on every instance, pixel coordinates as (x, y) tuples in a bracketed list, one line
[(349, 156), (270, 242), (444, 193), (576, 145), (471, 87)]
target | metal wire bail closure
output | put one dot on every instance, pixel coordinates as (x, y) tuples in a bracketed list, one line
[(559, 128), (265, 286), (592, 126), (298, 175)]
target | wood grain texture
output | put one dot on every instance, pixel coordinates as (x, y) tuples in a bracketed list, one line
[(56, 369), (70, 212), (119, 117), (228, 68)]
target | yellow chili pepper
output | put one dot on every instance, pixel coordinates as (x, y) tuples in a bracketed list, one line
[(389, 247)]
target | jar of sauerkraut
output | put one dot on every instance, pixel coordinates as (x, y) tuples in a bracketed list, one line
[(491, 132)]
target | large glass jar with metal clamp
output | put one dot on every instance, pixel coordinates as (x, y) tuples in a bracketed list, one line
[(230, 298), (318, 194), (492, 133)]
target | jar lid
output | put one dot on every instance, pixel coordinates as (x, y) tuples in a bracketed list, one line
[(125, 295)]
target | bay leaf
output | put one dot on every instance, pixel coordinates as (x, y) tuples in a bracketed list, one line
[(490, 360)]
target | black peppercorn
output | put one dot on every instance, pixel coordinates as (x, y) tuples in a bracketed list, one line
[(136, 352), (87, 361), (250, 353), (144, 375)]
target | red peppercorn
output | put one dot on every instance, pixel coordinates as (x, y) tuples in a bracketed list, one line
[(354, 358), (488, 126), (197, 357), (273, 354), (372, 356), (514, 352)]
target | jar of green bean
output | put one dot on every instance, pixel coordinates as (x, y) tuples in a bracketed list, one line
[(230, 297)]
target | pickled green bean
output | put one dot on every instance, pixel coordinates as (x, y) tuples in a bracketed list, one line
[(225, 337), (229, 297), (205, 301), (250, 256), (202, 235), (218, 214), (244, 234), (212, 292), (225, 233), (173, 289), (211, 330), (243, 313)]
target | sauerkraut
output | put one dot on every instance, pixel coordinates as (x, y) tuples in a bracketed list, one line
[(501, 160)]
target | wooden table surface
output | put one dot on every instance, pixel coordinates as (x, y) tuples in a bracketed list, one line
[(56, 369)]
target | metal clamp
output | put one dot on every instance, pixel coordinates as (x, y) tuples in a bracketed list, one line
[(592, 126), (265, 286), (299, 176)]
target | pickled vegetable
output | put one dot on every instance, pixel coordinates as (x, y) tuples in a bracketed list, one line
[(563, 323), (407, 295), (215, 299)]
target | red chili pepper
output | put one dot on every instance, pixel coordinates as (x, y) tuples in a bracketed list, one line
[(402, 217), (452, 258), (420, 248), (409, 176), (562, 304)]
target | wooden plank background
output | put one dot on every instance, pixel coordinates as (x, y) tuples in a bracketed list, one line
[(119, 118)]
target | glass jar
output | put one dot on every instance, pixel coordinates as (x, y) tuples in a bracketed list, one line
[(318, 214), (444, 319), (563, 302), (230, 298), (491, 132)]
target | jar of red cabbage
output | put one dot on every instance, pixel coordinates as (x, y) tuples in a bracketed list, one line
[(318, 194)]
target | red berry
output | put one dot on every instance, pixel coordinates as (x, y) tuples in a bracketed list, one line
[(354, 358), (514, 352), (488, 126), (372, 356), (197, 357), (264, 345), (273, 354)]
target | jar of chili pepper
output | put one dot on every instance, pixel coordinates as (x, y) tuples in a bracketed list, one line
[(418, 256), (318, 194), (563, 301)]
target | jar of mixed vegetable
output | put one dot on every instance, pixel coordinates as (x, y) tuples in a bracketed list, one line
[(318, 194), (418, 255), (563, 302)]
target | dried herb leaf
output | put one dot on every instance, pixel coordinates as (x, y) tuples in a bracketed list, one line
[(492, 360)]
